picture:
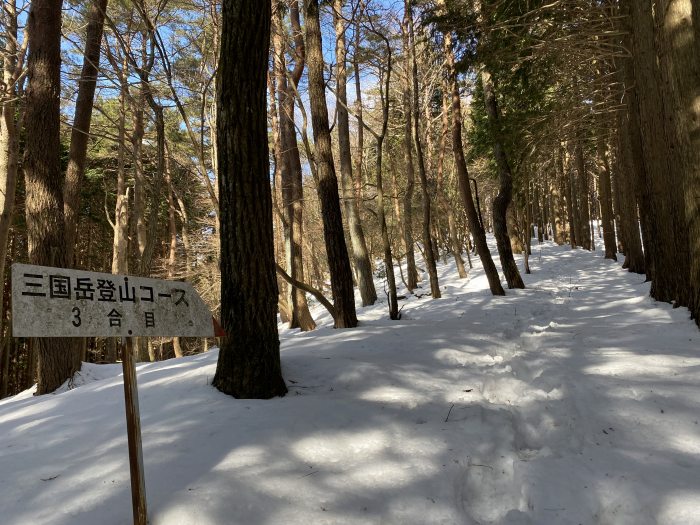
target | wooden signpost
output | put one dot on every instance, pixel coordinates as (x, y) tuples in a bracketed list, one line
[(56, 302)]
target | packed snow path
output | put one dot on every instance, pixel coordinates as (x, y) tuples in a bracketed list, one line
[(573, 401)]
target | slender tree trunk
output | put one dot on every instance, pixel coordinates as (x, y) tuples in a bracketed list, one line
[(249, 359), (567, 179), (81, 123), (381, 215), (505, 193), (9, 155), (408, 240), (428, 250), (359, 157), (624, 174), (606, 203), (139, 209), (290, 168), (338, 260), (475, 226), (58, 358), (584, 213), (557, 217), (172, 248), (363, 268), (446, 206)]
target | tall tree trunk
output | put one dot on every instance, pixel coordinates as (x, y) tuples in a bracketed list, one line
[(679, 24), (392, 297), (633, 140), (505, 192), (359, 157), (249, 359), (408, 240), (662, 162), (363, 268), (624, 175), (567, 179), (81, 124), (582, 190), (172, 231), (120, 245), (138, 216), (9, 155), (475, 226), (290, 167), (557, 217), (428, 249), (338, 260), (455, 246), (58, 358), (606, 203)]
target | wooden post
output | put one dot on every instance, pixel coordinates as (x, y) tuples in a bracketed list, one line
[(133, 430)]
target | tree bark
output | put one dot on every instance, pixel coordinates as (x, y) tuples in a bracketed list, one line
[(475, 226), (679, 24), (428, 250), (624, 175), (582, 197), (663, 163), (363, 268), (606, 203), (455, 246), (407, 231), (505, 192), (9, 156), (80, 132), (57, 358), (290, 167), (249, 359), (338, 259)]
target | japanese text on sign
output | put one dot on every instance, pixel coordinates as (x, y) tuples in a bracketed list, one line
[(70, 303)]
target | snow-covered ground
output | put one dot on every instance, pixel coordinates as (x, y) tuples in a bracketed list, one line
[(575, 401)]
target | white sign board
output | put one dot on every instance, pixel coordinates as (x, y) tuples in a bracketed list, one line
[(56, 302)]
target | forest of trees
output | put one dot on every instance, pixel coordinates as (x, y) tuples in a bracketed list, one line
[(280, 153)]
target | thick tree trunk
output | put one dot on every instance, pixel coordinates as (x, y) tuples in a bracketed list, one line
[(338, 259), (363, 268), (58, 358), (249, 359), (475, 226), (505, 191), (664, 165), (428, 249), (81, 123), (679, 24)]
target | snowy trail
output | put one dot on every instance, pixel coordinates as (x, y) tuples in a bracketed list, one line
[(602, 388), (573, 401)]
